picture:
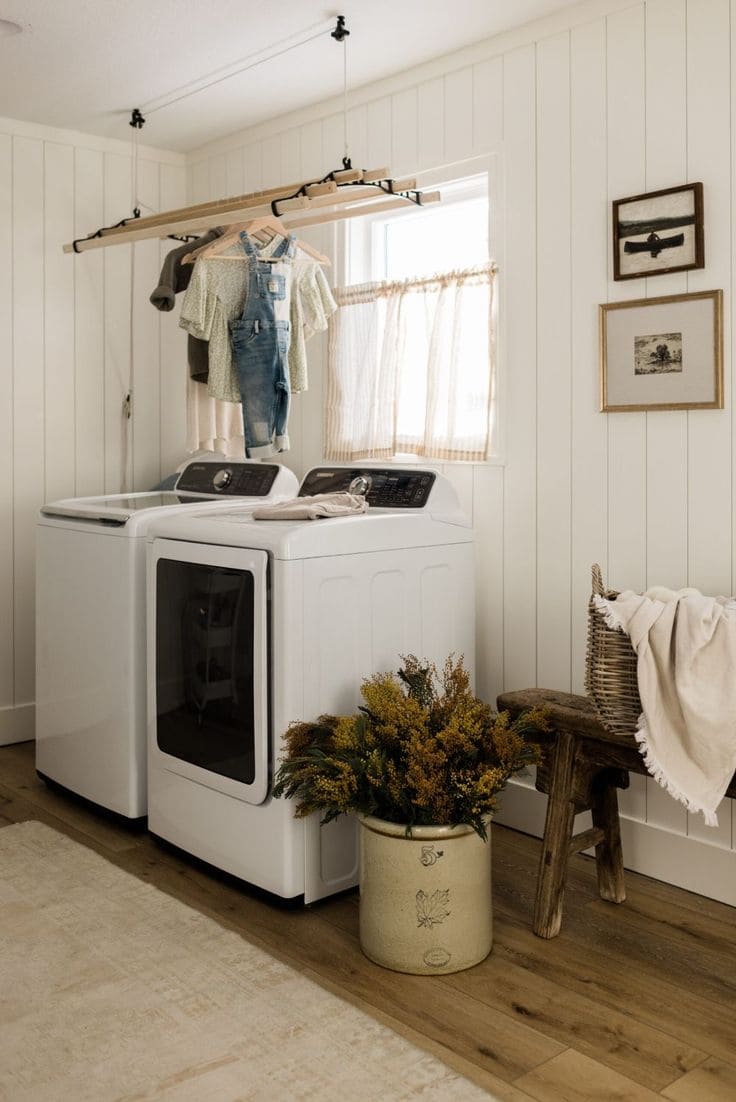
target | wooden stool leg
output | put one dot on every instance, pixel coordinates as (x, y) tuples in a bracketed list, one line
[(556, 842), (609, 858)]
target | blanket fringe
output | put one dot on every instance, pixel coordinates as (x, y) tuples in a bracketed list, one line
[(655, 769), (608, 611)]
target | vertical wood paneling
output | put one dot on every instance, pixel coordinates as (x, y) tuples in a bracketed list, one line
[(487, 104), (461, 477), (218, 177), (519, 527), (118, 432), (357, 139), (291, 156), (709, 160), (310, 402), (666, 471), (200, 181), (252, 168), (431, 123), (458, 115), (146, 381), (626, 176), (28, 396), (404, 133), (333, 142), (729, 311), (378, 132), (7, 688), (487, 502), (89, 321), (553, 362), (271, 162), (58, 321), (710, 439), (729, 819), (64, 322), (666, 161), (311, 405), (234, 174), (173, 341), (312, 165), (589, 243)]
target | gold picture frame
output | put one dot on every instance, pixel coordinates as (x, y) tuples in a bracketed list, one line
[(662, 353)]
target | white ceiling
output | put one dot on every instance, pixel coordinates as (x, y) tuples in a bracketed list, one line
[(84, 64)]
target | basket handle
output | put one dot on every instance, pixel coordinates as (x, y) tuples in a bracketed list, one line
[(598, 587)]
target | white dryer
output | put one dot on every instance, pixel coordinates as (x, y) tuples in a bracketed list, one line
[(253, 624), (91, 625)]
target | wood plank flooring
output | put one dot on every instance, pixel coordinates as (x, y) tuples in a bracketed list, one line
[(629, 1003)]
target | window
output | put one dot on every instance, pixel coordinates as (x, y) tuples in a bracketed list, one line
[(410, 364), (447, 236)]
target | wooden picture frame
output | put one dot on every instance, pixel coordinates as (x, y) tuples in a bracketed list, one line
[(658, 232), (662, 353)]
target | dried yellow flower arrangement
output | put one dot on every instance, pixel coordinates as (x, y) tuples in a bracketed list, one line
[(422, 750)]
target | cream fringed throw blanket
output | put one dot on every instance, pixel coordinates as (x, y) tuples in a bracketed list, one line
[(686, 650)]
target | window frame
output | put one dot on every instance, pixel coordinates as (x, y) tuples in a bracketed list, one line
[(357, 264)]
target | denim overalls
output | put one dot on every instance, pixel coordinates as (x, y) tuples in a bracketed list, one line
[(260, 341)]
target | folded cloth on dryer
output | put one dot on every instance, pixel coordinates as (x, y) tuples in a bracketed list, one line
[(313, 508)]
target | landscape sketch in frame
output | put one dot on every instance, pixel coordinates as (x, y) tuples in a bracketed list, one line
[(654, 355), (662, 353), (659, 232)]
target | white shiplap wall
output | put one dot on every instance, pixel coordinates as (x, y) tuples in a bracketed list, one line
[(64, 357), (602, 101)]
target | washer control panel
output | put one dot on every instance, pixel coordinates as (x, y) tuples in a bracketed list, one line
[(228, 479), (383, 487)]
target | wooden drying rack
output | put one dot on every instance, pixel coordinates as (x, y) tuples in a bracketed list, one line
[(345, 193)]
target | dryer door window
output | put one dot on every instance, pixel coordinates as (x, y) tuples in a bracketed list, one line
[(209, 653)]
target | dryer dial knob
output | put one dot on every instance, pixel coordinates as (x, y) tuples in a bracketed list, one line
[(360, 485), (222, 479)]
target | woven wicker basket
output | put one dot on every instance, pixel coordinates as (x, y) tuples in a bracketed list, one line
[(610, 668)]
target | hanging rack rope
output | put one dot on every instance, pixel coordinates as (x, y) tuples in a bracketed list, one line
[(270, 53), (341, 34), (136, 122)]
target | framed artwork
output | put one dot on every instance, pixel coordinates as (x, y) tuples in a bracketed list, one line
[(659, 232), (662, 353)]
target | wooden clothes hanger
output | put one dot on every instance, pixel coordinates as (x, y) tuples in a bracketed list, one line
[(269, 224)]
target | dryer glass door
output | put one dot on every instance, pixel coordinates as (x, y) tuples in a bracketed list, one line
[(211, 666)]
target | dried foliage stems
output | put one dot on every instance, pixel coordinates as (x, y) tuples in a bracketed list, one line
[(422, 750)]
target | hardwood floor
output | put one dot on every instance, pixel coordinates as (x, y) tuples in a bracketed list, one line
[(629, 1003)]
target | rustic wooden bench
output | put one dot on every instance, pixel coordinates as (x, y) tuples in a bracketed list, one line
[(583, 765)]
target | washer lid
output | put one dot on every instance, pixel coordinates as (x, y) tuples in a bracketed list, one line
[(201, 482), (118, 508)]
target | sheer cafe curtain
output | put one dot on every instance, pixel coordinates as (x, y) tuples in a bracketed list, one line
[(410, 368)]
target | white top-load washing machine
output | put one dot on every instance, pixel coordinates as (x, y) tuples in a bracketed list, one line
[(253, 624), (91, 625)]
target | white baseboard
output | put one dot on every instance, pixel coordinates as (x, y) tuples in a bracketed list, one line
[(17, 724), (688, 863)]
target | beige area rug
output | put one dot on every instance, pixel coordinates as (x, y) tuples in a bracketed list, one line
[(112, 990)]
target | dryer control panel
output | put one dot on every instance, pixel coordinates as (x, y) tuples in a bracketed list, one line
[(383, 487), (228, 479)]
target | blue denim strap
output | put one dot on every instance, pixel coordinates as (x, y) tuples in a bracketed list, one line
[(247, 244)]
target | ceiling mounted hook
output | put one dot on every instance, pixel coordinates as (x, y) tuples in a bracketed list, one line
[(136, 118), (340, 32)]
